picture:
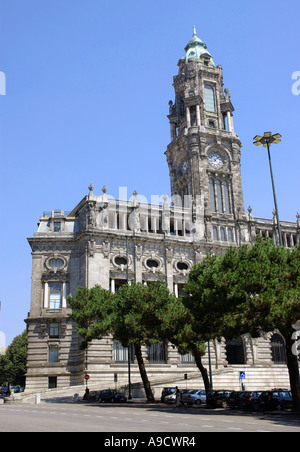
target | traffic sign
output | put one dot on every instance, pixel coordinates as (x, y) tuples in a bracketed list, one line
[(86, 377)]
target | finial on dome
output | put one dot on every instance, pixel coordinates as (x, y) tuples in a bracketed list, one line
[(195, 32)]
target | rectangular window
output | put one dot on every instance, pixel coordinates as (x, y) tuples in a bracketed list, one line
[(157, 353), (54, 330), (52, 383), (55, 295), (120, 353), (53, 354), (188, 358), (209, 98), (56, 227)]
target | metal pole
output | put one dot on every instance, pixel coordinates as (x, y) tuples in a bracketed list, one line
[(274, 194), (129, 351), (210, 368)]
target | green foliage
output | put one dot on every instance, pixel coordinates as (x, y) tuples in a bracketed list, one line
[(92, 310), (139, 313), (13, 364), (248, 290)]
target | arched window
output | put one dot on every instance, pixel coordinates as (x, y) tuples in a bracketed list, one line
[(212, 195), (209, 98), (215, 233), (278, 349), (226, 198), (219, 193), (222, 234), (219, 196), (235, 351), (230, 234)]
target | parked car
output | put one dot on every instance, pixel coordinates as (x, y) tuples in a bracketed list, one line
[(168, 395), (112, 395), (217, 399), (234, 399), (249, 400), (194, 397), (275, 400), (5, 391)]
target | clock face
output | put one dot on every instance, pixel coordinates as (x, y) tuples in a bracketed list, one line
[(215, 160)]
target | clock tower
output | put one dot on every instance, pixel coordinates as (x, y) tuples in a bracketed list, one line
[(204, 152)]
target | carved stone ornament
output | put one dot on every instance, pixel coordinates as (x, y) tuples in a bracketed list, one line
[(153, 264), (56, 264), (106, 249)]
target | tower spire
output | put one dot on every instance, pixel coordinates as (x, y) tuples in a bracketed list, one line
[(196, 48)]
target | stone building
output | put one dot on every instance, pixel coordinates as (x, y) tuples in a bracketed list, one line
[(105, 241)]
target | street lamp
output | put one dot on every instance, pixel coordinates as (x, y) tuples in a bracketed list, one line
[(129, 349), (266, 141)]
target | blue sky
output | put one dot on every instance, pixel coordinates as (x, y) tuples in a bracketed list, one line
[(87, 89)]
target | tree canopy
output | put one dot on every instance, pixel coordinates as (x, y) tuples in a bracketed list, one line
[(13, 365), (249, 290)]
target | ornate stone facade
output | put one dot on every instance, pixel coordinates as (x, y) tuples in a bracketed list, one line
[(105, 241)]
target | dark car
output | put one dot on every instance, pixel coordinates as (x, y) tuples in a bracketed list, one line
[(5, 391), (234, 400), (217, 399), (276, 400), (249, 400), (112, 395)]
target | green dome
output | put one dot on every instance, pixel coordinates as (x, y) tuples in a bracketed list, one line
[(196, 48)]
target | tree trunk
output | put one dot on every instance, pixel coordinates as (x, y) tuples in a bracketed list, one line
[(146, 382), (293, 367), (198, 360)]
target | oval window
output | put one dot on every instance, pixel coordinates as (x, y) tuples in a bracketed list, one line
[(56, 263), (151, 263), (121, 260), (182, 266)]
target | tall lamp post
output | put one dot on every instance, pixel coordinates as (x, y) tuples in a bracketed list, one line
[(129, 350), (266, 141)]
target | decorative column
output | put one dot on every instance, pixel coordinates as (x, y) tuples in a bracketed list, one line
[(230, 121), (176, 290), (46, 295), (113, 286), (188, 117), (198, 115), (64, 295)]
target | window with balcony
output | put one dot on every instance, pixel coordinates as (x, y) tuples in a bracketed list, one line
[(55, 297)]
